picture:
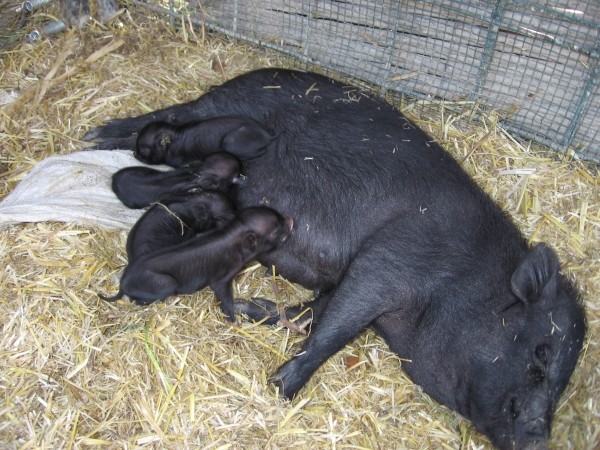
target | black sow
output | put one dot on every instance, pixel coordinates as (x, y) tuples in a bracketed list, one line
[(398, 237)]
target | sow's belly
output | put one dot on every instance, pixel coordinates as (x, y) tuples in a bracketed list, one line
[(340, 169), (325, 234), (336, 198)]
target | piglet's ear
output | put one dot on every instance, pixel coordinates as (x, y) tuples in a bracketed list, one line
[(164, 140), (536, 274), (250, 242)]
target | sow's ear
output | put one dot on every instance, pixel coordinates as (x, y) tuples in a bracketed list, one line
[(537, 273)]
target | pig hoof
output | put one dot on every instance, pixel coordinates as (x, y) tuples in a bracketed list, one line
[(91, 134), (234, 322), (288, 380), (258, 309), (143, 302)]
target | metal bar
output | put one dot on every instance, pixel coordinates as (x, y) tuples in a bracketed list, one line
[(385, 86), (171, 18), (32, 5), (488, 50), (585, 96), (306, 36), (236, 12), (592, 23)]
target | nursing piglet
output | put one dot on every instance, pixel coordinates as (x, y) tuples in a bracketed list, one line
[(178, 219), (162, 142), (138, 187), (210, 259)]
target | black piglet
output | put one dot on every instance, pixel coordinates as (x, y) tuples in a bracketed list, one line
[(177, 219), (138, 187)]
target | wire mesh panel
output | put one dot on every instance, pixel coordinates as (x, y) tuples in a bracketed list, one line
[(535, 61)]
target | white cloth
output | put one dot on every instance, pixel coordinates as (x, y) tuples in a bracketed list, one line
[(73, 188)]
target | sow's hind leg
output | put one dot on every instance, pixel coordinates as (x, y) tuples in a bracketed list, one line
[(122, 133), (217, 102), (244, 96)]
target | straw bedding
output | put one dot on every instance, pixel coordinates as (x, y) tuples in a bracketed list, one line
[(77, 372)]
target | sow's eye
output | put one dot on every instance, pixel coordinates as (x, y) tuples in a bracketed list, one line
[(542, 355), (514, 412)]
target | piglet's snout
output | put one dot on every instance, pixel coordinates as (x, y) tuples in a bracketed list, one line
[(239, 179), (536, 445), (289, 225)]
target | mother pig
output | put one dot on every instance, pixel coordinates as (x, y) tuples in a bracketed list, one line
[(396, 236)]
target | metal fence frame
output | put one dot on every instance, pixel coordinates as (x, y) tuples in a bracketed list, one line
[(560, 35)]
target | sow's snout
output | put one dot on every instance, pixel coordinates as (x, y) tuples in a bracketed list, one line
[(524, 420), (533, 420), (535, 343)]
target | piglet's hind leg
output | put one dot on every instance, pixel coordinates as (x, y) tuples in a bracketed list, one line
[(151, 287), (259, 309)]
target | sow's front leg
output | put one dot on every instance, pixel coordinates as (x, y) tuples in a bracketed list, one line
[(350, 308)]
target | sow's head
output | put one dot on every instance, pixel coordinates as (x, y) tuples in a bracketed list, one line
[(538, 339)]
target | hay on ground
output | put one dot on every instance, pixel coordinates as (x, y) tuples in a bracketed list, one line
[(77, 372)]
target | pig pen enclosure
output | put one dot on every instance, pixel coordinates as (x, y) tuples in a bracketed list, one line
[(77, 372)]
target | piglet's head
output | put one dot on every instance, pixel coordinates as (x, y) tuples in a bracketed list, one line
[(265, 229), (153, 142), (218, 171), (530, 358)]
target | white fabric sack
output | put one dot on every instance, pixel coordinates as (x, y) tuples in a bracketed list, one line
[(74, 188)]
